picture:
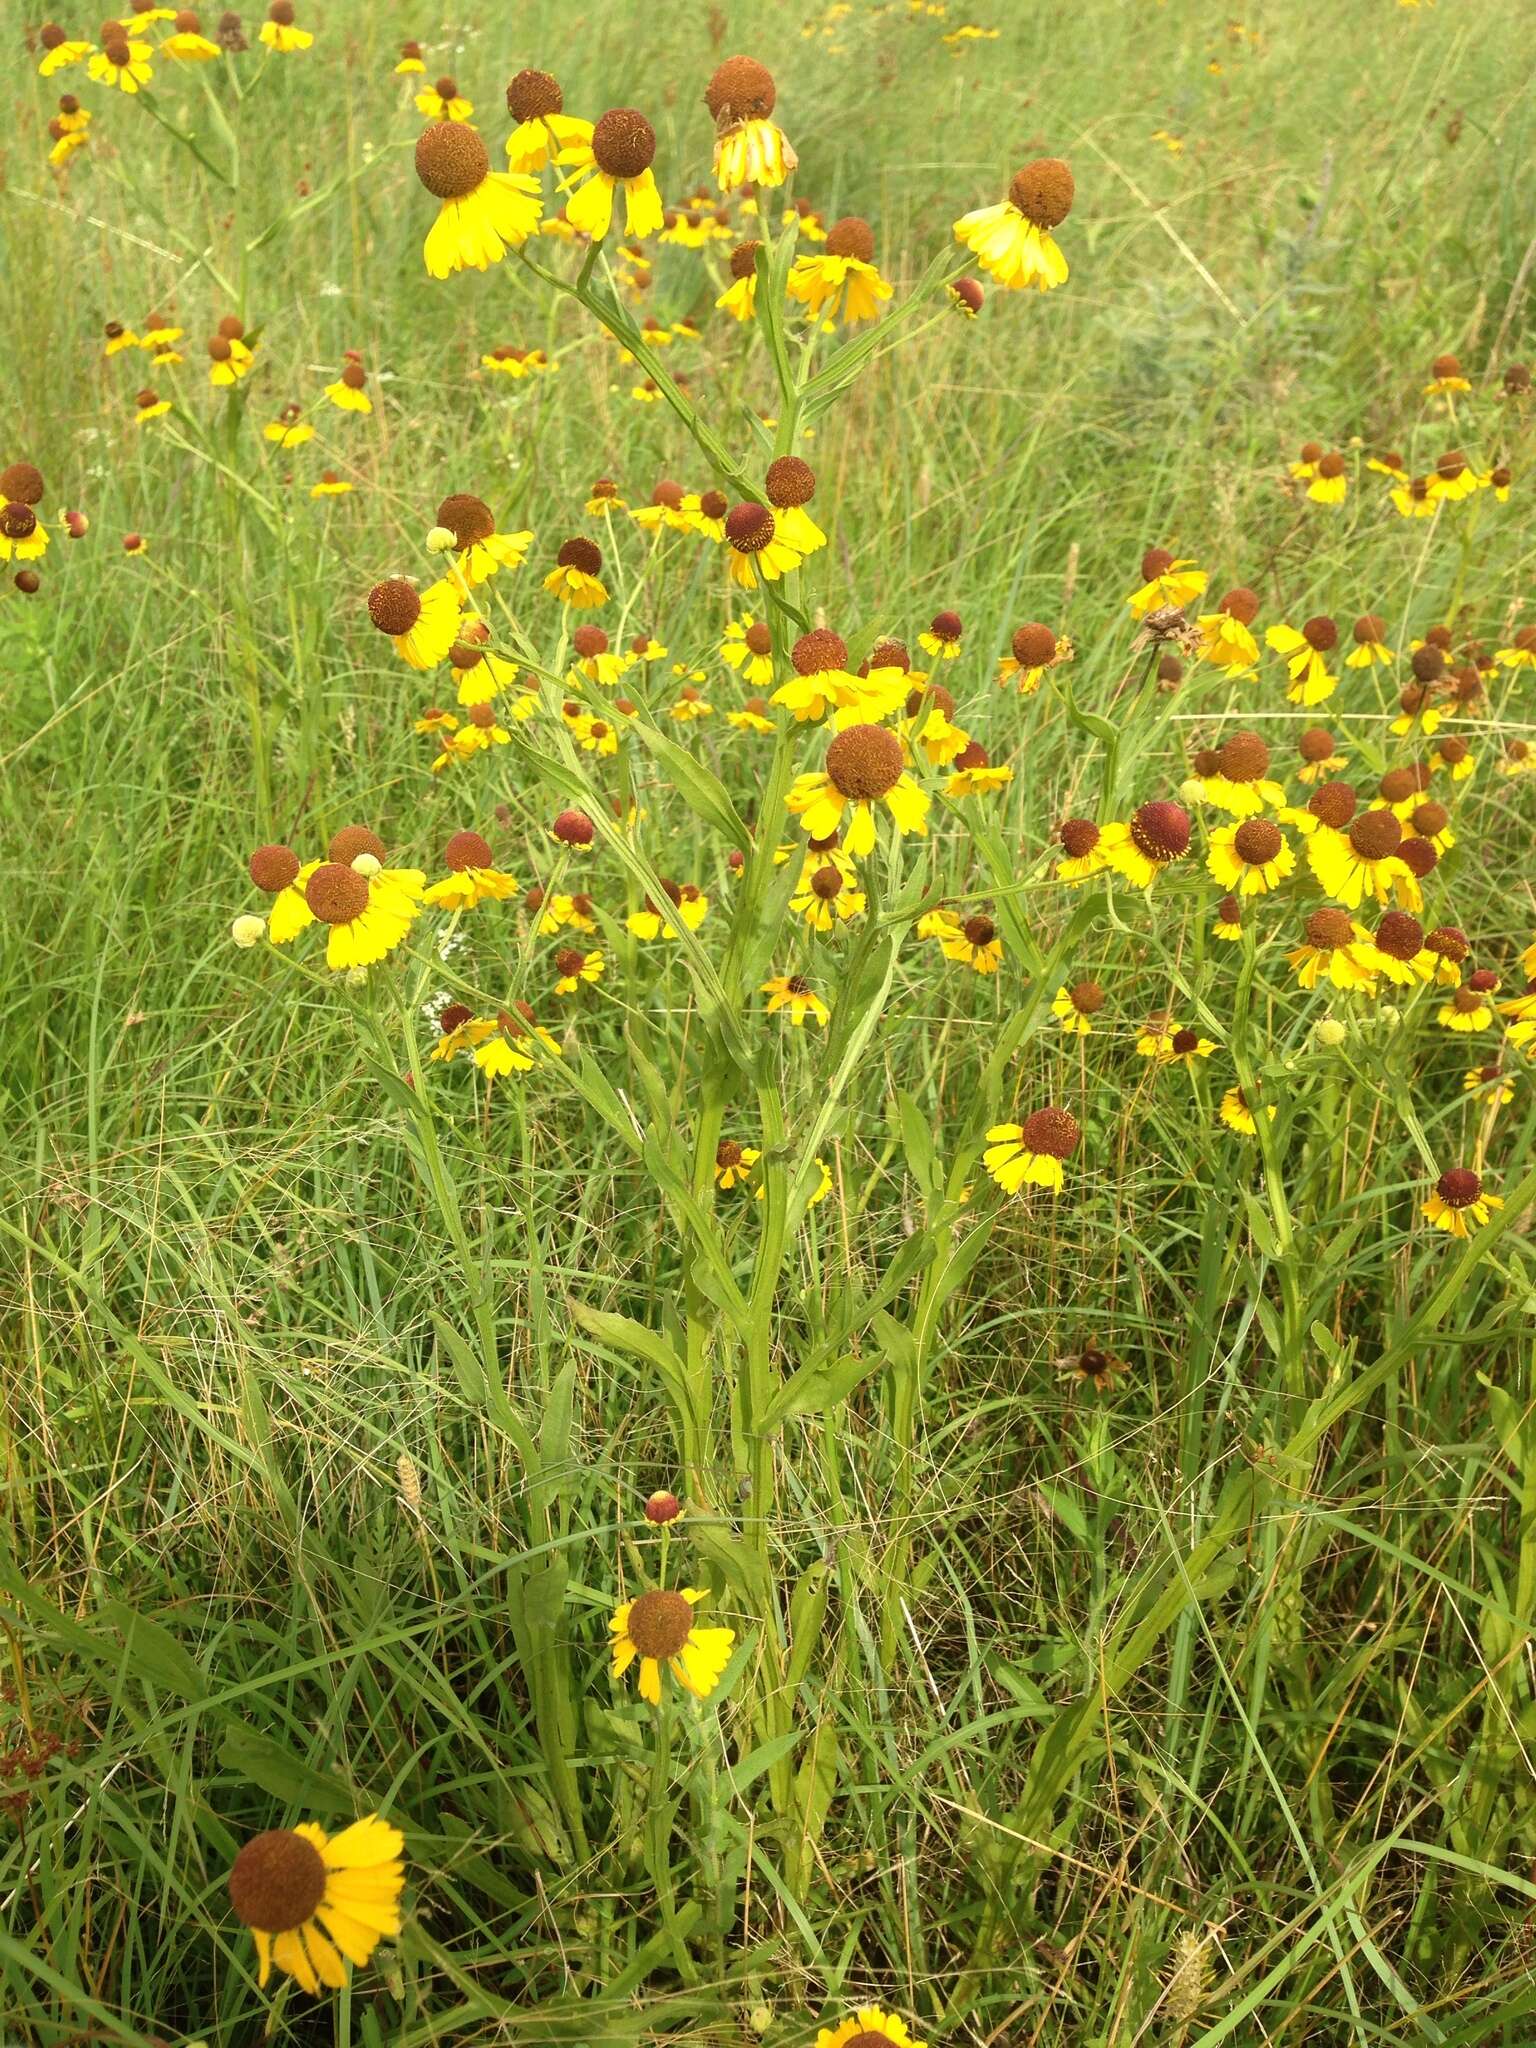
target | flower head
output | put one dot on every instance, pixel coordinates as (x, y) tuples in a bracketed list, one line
[(1033, 1151), (749, 148), (315, 1902), (483, 213), (659, 1628), (1012, 241)]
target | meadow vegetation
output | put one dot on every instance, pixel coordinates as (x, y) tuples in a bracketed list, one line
[(1059, 1301)]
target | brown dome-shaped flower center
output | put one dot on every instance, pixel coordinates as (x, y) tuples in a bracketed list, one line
[(1427, 663), (1034, 645), (273, 867), (533, 94), (466, 850), (714, 504), (931, 693), (452, 1016), (864, 762), (1257, 841), (1333, 805), (19, 522), (1155, 562), (758, 638), (1321, 634), (1331, 465), (21, 483), (581, 554), (1160, 831), (1375, 835), (741, 89), (1185, 1041), (852, 237), (659, 1622), (569, 961), (1370, 627), (467, 518), (744, 259), (1241, 604), (1316, 744), (1397, 785), (574, 828), (277, 1881), (352, 840), (1078, 836), (789, 481), (1453, 749), (1052, 1131), (1327, 929), (335, 893), (749, 527), (1043, 191), (1087, 998), (1449, 941), (1400, 936), (623, 143), (589, 641), (827, 884), (394, 606), (451, 159), (1430, 820), (1459, 1187), (980, 931), (819, 652), (1244, 757)]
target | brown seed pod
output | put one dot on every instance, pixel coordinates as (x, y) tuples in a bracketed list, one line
[(1427, 663)]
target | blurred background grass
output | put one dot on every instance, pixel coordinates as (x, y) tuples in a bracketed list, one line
[(221, 1269)]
